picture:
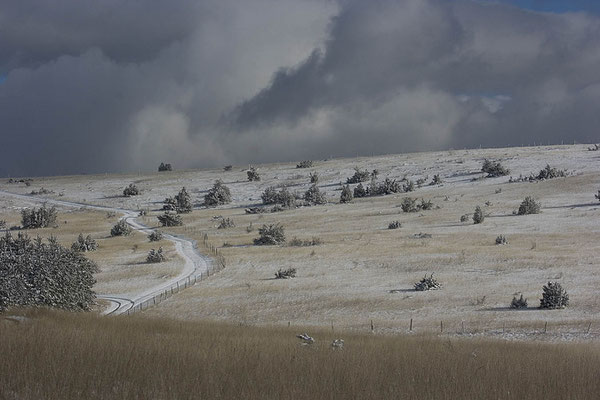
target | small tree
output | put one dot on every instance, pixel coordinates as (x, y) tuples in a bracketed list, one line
[(360, 191), (38, 218), (314, 196), (156, 256), (409, 186), (283, 197), (155, 236), (121, 229), (346, 196), (554, 296), (131, 190), (304, 164), (170, 219), (183, 201), (314, 177), (84, 244), (218, 195), (409, 204), (501, 239), (493, 169), (34, 273), (478, 216), (270, 235), (164, 167), (253, 174), (529, 206)]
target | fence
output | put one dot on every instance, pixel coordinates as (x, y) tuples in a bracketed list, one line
[(218, 263)]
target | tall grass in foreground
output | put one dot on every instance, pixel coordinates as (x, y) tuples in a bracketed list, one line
[(55, 355)]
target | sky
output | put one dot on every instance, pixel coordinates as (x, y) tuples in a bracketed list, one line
[(112, 86)]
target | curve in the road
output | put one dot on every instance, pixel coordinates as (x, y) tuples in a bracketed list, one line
[(195, 262)]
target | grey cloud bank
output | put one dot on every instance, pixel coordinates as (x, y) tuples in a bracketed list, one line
[(102, 87)]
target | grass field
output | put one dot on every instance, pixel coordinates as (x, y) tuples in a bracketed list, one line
[(364, 271), (53, 355)]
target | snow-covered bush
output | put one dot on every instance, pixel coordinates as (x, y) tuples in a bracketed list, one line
[(121, 229)]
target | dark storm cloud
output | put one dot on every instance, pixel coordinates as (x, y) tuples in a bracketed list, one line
[(106, 87), (414, 75)]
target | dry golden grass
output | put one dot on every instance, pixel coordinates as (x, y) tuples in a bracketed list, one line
[(53, 355)]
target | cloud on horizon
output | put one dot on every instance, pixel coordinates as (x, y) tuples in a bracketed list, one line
[(206, 83)]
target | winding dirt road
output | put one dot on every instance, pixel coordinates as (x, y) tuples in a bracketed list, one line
[(195, 262)]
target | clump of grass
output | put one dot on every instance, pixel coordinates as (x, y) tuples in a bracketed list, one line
[(314, 241), (285, 273), (518, 303), (394, 225), (501, 239), (226, 223), (427, 283)]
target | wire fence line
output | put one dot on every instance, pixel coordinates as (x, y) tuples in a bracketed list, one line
[(218, 263)]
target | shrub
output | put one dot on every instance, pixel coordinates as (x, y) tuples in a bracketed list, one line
[(501, 240), (437, 180), (427, 283), (84, 244), (170, 219), (518, 303), (121, 229), (131, 190), (219, 194), (464, 217), (478, 216), (270, 235), (554, 296), (253, 174), (409, 186), (595, 147), (2, 224), (529, 206), (394, 225), (493, 169), (409, 204), (314, 177), (425, 205), (227, 168), (164, 167), (597, 196), (155, 236), (314, 196), (359, 176), (41, 191), (360, 191), (346, 196), (549, 173), (388, 186), (285, 273), (155, 256), (315, 241), (34, 273), (304, 164), (226, 223), (38, 218)]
